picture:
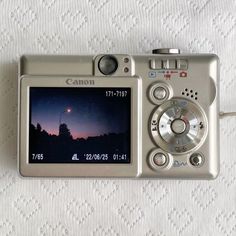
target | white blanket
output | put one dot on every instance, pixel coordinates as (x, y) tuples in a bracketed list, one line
[(116, 207)]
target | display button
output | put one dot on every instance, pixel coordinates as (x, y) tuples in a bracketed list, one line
[(178, 126), (159, 159), (160, 93), (196, 159)]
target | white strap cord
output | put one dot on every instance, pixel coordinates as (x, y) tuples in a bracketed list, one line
[(226, 114)]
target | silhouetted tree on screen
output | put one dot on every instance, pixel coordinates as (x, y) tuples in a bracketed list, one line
[(61, 148), (39, 128), (64, 132)]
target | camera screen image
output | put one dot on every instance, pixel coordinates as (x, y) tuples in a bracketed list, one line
[(79, 125)]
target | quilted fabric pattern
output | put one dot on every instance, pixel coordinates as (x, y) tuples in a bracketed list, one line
[(116, 207)]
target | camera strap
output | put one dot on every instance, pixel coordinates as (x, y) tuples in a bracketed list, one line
[(226, 114)]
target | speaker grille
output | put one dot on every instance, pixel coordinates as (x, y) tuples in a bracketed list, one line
[(190, 93)]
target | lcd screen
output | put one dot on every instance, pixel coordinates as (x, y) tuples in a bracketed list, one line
[(79, 125)]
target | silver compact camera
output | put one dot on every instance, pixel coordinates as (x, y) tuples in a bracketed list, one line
[(119, 115)]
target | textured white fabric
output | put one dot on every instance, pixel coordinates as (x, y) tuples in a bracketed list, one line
[(116, 207)]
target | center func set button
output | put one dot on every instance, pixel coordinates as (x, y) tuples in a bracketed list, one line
[(178, 126)]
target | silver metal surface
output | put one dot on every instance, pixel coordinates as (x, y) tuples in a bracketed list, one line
[(201, 74)]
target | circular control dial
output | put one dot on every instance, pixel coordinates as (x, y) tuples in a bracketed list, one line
[(178, 126)]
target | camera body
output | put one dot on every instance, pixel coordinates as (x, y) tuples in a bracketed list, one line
[(145, 116)]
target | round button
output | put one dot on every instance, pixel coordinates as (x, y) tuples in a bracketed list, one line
[(159, 93), (196, 159), (108, 65), (159, 159), (178, 126)]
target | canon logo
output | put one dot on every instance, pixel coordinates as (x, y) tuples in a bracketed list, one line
[(80, 82)]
